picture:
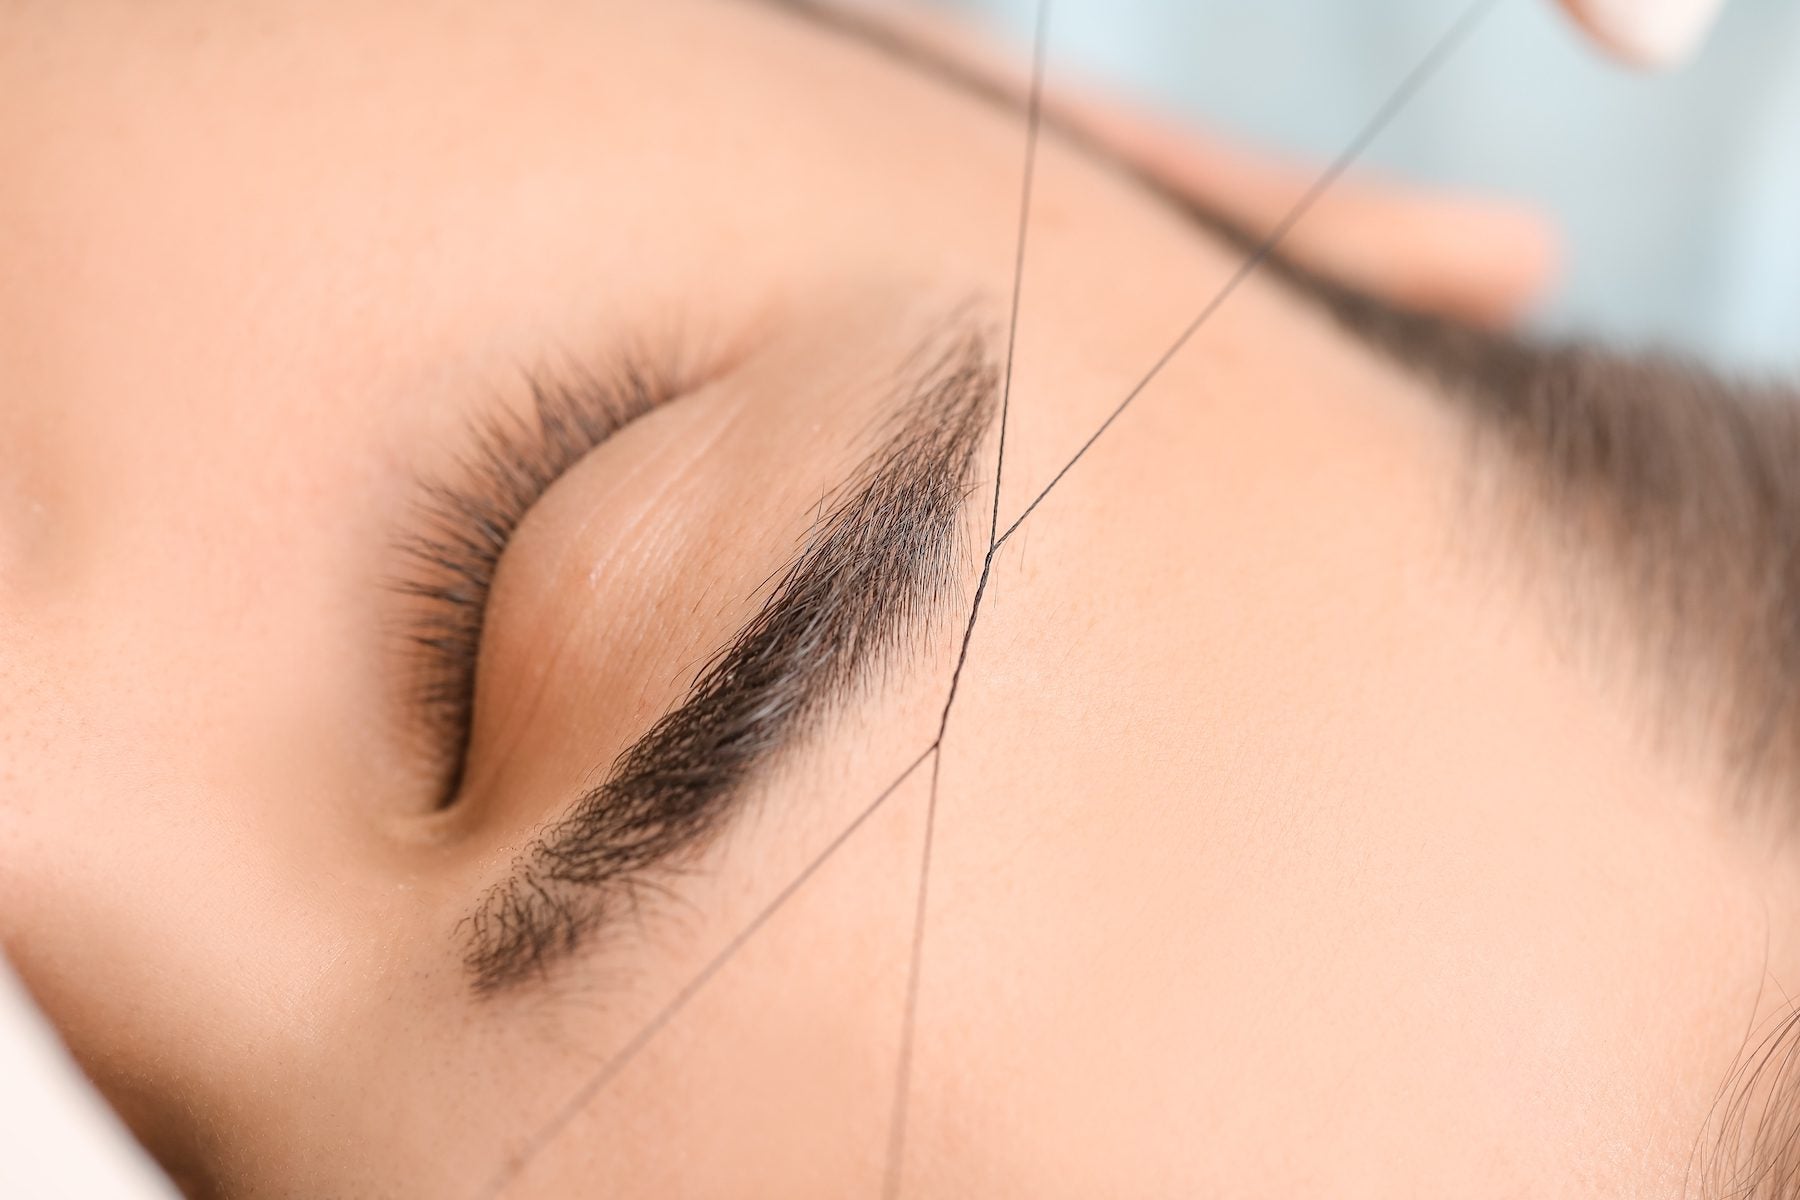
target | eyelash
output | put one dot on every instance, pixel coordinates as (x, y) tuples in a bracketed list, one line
[(463, 529)]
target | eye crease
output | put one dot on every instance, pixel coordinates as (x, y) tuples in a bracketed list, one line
[(875, 575), (518, 680), (464, 526)]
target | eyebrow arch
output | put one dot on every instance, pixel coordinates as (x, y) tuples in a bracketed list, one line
[(874, 576)]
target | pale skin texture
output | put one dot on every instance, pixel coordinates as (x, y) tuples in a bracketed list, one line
[(1282, 848)]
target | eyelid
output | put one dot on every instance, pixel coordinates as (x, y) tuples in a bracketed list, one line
[(464, 524), (880, 563)]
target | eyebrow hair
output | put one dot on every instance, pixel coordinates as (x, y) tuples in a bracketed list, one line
[(1700, 539), (873, 577)]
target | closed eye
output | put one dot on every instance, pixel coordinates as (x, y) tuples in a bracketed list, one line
[(876, 572), (465, 523)]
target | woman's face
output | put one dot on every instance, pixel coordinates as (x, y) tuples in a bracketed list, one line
[(1275, 845)]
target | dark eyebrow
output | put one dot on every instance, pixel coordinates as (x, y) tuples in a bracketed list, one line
[(876, 572)]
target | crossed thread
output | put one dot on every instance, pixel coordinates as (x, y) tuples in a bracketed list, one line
[(1440, 52)]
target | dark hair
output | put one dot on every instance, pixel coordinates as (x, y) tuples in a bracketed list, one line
[(1676, 491)]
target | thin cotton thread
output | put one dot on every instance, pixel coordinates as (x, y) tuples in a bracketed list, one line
[(1442, 50), (1446, 45), (894, 1171), (609, 1070)]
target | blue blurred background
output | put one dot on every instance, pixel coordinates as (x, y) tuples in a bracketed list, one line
[(1677, 195)]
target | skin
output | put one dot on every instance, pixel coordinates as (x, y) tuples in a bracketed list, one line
[(1281, 847)]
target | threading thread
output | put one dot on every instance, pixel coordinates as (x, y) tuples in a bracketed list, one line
[(1442, 50)]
